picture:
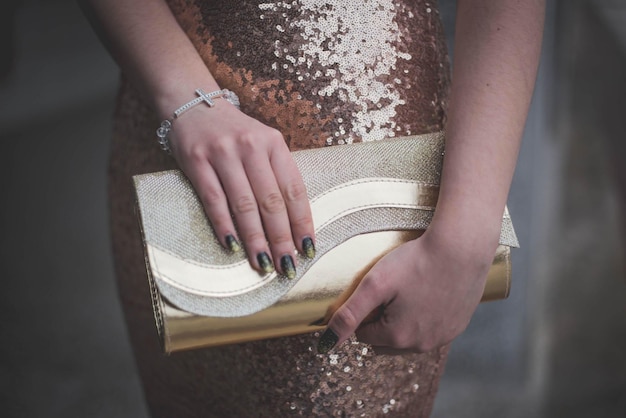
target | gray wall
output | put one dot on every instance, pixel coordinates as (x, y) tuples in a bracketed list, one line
[(555, 348)]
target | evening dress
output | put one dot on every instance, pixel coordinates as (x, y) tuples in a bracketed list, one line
[(324, 73)]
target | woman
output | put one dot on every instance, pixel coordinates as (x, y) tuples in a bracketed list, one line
[(312, 73)]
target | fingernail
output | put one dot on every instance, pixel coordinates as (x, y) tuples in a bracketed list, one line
[(287, 266), (308, 247), (265, 262), (327, 341), (232, 243)]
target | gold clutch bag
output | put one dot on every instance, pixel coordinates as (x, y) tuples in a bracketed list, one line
[(366, 199)]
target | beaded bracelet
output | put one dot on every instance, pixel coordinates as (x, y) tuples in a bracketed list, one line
[(166, 125)]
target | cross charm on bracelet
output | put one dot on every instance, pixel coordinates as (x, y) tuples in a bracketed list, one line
[(203, 97)]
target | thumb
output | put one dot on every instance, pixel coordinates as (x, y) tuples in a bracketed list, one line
[(368, 296)]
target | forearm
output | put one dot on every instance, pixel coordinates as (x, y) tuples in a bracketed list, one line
[(496, 57), (152, 50)]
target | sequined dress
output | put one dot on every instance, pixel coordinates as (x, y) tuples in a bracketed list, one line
[(325, 73)]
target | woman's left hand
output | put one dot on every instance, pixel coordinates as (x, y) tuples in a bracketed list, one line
[(424, 293)]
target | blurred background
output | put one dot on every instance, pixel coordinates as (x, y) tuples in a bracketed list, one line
[(555, 348)]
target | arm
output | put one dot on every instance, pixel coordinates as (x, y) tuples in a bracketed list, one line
[(234, 162), (430, 287), (497, 46)]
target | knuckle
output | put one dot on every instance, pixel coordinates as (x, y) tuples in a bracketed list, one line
[(248, 141), (294, 192), (345, 319), (220, 147), (273, 203), (303, 223), (280, 240), (275, 142), (196, 154), (275, 135), (244, 205), (211, 196), (255, 237), (373, 284)]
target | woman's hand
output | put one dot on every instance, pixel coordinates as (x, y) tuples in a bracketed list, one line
[(237, 164), (423, 295), (234, 162), (429, 288)]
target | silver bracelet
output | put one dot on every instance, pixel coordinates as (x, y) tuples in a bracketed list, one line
[(166, 125)]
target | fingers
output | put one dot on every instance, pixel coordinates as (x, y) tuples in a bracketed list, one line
[(211, 194), (282, 202), (267, 199), (297, 204), (243, 204), (273, 213), (367, 298)]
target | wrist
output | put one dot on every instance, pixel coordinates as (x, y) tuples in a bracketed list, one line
[(178, 90), (203, 98), (167, 104), (471, 237), (472, 216)]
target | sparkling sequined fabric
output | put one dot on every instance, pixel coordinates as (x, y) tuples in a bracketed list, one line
[(324, 72)]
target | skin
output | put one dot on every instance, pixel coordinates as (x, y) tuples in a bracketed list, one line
[(428, 288), (218, 148)]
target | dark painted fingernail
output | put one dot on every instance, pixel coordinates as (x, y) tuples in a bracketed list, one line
[(308, 247), (265, 262), (232, 243), (327, 341), (287, 266)]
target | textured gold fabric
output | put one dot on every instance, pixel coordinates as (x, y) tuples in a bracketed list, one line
[(322, 72)]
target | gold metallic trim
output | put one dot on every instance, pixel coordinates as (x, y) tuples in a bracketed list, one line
[(369, 193), (203, 279), (308, 306)]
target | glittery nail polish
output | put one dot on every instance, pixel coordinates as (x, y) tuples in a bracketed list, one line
[(232, 243), (308, 247), (327, 341), (287, 266), (265, 262)]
